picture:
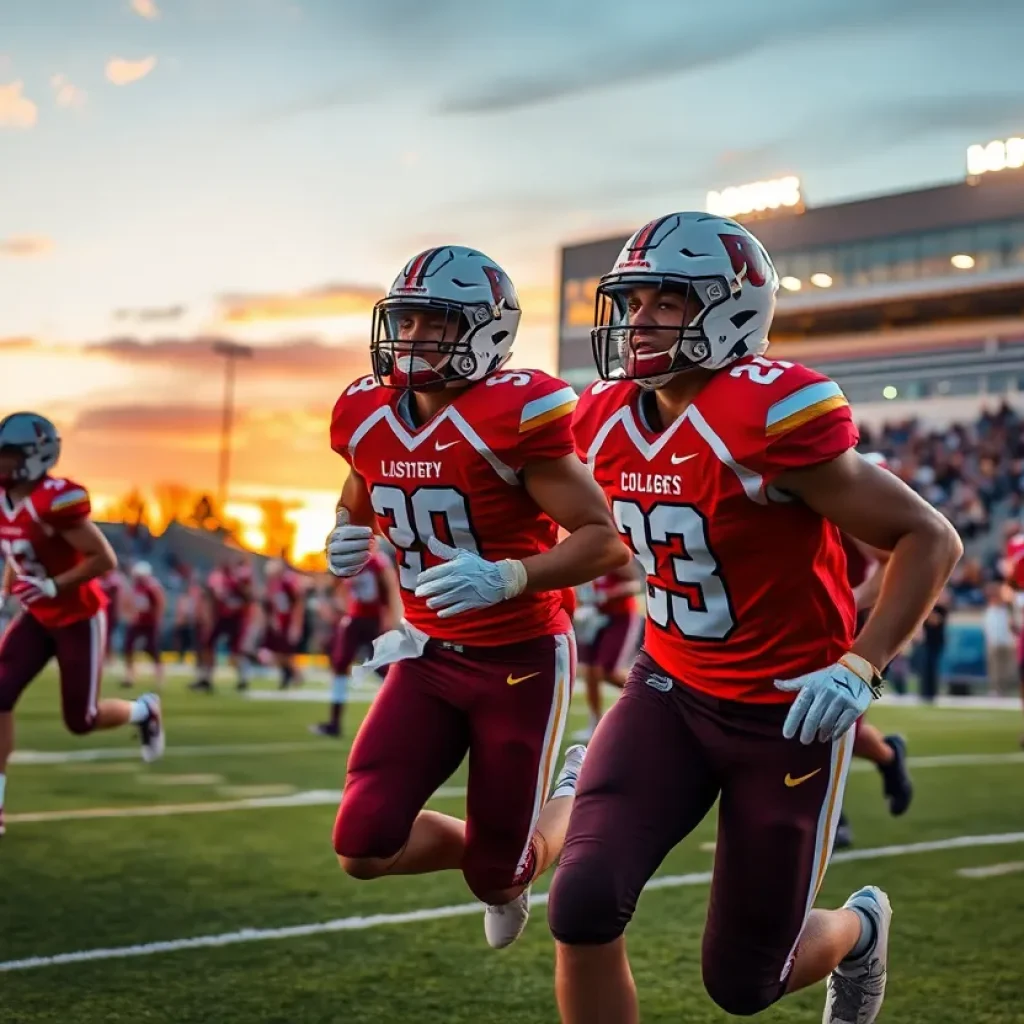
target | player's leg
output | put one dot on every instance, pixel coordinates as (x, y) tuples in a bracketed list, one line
[(889, 755), (409, 744), (208, 633), (515, 822), (155, 655), (25, 648), (79, 649), (778, 811), (646, 784), (128, 652)]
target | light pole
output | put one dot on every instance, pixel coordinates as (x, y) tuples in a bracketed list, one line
[(231, 351)]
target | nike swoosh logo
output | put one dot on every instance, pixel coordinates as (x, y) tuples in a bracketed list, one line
[(441, 447), (790, 781), (677, 459), (514, 681)]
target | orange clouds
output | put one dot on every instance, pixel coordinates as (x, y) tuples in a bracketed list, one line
[(146, 9), (16, 109), (331, 300), (25, 246), (124, 72)]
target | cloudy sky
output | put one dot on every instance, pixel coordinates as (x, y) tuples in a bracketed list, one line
[(176, 170)]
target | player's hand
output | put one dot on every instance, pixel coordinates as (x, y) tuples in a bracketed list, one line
[(464, 581), (828, 702), (348, 547), (29, 589)]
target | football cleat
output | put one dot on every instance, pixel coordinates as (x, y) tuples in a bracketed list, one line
[(325, 729), (896, 784), (570, 773), (504, 924), (151, 731), (856, 987)]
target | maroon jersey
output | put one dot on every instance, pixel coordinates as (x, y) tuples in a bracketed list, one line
[(745, 585), (30, 539), (283, 594), (145, 599), (113, 585), (232, 590), (458, 477), (366, 595)]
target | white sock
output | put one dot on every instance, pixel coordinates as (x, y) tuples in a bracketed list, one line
[(339, 690), (139, 712), (3, 786)]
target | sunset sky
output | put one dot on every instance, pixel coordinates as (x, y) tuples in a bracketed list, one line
[(176, 170)]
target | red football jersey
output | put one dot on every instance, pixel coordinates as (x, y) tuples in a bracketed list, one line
[(744, 585), (610, 596), (30, 539), (144, 597), (1015, 556), (458, 477), (232, 589), (283, 593), (365, 592)]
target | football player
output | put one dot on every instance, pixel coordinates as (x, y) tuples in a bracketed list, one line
[(468, 469), (234, 605), (865, 571), (609, 652), (286, 616), (731, 476), (371, 605), (146, 601), (54, 556)]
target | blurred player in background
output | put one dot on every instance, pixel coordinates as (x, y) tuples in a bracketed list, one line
[(731, 475), (285, 619), (146, 602), (1013, 572), (607, 655), (233, 591), (371, 604), (469, 470), (115, 586), (53, 557)]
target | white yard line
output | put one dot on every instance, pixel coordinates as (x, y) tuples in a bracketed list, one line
[(46, 757), (992, 870), (312, 798), (345, 924)]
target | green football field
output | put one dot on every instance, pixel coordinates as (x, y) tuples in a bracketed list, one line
[(204, 888)]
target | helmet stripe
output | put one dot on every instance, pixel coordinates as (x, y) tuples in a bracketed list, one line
[(419, 268), (643, 238)]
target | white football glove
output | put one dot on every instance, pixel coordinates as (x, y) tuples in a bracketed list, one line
[(465, 581), (829, 700), (29, 589), (348, 547)]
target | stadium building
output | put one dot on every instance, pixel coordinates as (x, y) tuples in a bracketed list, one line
[(913, 302)]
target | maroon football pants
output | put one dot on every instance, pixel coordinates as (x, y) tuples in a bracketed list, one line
[(658, 761), (79, 648)]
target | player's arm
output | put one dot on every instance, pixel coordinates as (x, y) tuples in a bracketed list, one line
[(355, 500), (874, 506), (7, 577), (348, 544), (85, 537), (159, 603), (565, 490), (629, 582)]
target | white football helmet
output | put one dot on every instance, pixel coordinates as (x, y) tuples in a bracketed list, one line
[(728, 284), (30, 446), (142, 570), (477, 315)]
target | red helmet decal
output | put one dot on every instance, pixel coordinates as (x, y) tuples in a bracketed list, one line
[(746, 258)]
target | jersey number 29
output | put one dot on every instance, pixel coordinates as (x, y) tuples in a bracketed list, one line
[(414, 519), (703, 611)]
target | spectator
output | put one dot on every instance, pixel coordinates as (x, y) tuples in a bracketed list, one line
[(1000, 640)]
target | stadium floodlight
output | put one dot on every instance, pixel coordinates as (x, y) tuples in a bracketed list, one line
[(998, 155), (821, 280), (791, 284), (232, 352), (962, 261), (757, 197)]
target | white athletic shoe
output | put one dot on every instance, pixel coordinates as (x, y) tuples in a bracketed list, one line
[(571, 766), (151, 731), (504, 924), (856, 988)]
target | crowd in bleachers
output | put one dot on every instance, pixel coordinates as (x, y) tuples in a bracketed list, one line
[(974, 473)]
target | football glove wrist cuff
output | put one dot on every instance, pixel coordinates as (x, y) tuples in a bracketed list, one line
[(513, 574), (863, 668)]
